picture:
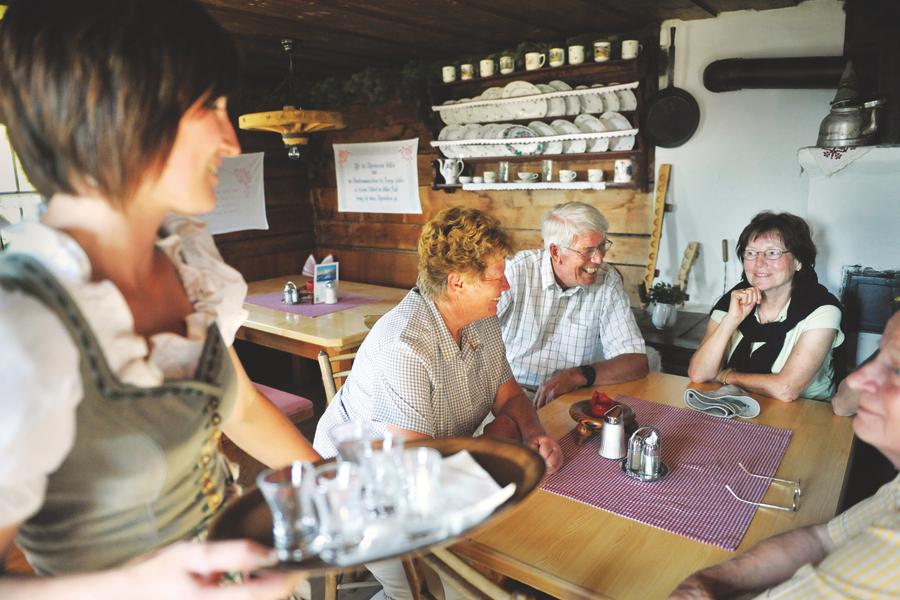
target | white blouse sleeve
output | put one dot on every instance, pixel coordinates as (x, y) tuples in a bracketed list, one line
[(39, 393), (213, 286)]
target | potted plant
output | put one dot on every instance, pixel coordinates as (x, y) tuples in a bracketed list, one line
[(663, 297)]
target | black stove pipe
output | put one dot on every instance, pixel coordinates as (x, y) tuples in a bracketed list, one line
[(814, 73)]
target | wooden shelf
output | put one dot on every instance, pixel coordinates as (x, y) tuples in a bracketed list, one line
[(609, 72), (612, 71), (580, 157)]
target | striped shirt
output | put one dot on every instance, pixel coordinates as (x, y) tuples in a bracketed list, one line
[(410, 373), (547, 328), (866, 560)]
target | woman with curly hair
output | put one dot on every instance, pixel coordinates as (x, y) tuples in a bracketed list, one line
[(775, 331), (435, 365)]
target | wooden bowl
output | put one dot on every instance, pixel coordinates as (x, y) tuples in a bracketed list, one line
[(588, 424)]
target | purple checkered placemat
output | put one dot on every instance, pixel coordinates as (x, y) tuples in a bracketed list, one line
[(702, 453), (344, 302)]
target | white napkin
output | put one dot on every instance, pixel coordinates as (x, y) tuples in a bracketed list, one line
[(728, 401), (468, 492), (309, 267), (832, 160)]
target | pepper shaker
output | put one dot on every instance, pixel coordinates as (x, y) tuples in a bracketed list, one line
[(650, 457), (290, 295)]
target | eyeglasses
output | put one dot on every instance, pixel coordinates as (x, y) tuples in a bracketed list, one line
[(770, 255), (795, 504), (602, 249)]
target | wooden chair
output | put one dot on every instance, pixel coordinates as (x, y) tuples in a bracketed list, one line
[(332, 380)]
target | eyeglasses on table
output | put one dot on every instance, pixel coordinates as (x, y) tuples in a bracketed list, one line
[(795, 504)]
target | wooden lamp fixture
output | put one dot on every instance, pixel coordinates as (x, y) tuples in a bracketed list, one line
[(292, 123)]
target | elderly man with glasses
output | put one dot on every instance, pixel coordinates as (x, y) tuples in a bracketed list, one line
[(566, 319)]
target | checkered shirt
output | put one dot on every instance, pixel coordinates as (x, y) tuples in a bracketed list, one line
[(866, 560), (410, 373), (546, 328)]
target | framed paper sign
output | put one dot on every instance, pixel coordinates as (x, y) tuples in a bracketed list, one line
[(379, 177)]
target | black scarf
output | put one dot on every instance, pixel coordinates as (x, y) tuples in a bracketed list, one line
[(806, 296)]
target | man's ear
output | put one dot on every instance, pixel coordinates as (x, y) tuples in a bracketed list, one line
[(554, 252)]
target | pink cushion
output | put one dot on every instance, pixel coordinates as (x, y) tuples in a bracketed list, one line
[(288, 403)]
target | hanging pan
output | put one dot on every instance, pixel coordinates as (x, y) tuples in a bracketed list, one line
[(672, 116)]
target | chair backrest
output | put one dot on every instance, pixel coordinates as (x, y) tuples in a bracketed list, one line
[(332, 380)]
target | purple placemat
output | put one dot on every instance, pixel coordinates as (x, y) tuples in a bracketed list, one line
[(344, 302), (702, 453)]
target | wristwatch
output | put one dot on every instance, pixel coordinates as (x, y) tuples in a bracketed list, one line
[(589, 374)]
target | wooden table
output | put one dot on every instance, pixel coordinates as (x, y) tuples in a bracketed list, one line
[(571, 550), (334, 333)]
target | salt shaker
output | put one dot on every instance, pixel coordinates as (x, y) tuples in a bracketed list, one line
[(290, 294), (330, 293), (612, 443), (650, 456)]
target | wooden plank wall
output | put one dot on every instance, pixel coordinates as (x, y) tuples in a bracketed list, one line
[(259, 254), (381, 248)]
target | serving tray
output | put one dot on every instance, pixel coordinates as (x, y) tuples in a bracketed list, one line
[(507, 462)]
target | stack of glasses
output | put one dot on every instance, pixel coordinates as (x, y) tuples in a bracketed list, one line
[(375, 491)]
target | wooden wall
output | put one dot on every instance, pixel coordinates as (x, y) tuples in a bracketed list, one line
[(259, 254), (381, 248)]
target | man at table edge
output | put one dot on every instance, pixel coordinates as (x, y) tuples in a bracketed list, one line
[(855, 554), (566, 319)]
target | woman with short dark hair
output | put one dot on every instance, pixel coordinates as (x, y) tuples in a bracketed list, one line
[(117, 313), (774, 333)]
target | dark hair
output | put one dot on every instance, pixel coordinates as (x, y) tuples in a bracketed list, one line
[(795, 234), (93, 91)]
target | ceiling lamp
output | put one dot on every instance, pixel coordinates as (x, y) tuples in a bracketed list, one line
[(294, 124)]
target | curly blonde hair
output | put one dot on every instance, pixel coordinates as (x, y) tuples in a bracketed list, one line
[(459, 240)]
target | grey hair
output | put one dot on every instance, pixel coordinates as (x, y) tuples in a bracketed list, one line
[(564, 221)]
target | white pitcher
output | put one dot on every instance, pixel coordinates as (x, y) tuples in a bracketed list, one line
[(450, 169)]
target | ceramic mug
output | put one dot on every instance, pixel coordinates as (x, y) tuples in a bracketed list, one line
[(601, 51), (534, 60), (507, 64), (486, 67), (576, 55), (466, 71), (527, 176), (595, 175), (557, 57), (567, 175), (630, 49), (490, 176), (448, 74), (623, 170)]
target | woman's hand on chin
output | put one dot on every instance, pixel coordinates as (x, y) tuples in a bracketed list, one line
[(743, 302)]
